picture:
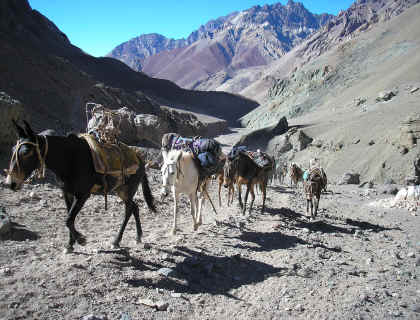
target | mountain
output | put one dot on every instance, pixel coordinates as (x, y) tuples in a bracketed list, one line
[(353, 89), (277, 84), (53, 79), (135, 51), (254, 37)]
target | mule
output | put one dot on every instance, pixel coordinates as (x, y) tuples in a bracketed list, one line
[(70, 158), (313, 184), (244, 171), (296, 175), (230, 189), (279, 173), (180, 175)]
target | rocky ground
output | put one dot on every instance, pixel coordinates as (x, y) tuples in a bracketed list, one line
[(359, 260)]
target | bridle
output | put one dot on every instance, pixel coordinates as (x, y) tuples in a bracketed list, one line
[(177, 169), (41, 158)]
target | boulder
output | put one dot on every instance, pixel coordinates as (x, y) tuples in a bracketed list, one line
[(410, 131), (300, 140), (350, 178), (5, 222), (262, 138), (281, 127), (385, 95), (147, 129)]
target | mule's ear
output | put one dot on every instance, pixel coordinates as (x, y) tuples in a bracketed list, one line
[(28, 129), (20, 131)]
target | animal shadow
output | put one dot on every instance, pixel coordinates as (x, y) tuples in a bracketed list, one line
[(363, 225), (19, 232), (200, 272)]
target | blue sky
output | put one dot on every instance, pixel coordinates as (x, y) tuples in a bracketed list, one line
[(98, 26)]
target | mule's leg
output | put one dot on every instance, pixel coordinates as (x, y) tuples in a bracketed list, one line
[(78, 202), (264, 195), (239, 195), (194, 204), (316, 200), (201, 200), (248, 188), (69, 198), (220, 188), (175, 212), (307, 206), (252, 198), (130, 208), (231, 194)]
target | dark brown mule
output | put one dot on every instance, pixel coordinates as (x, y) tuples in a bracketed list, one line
[(230, 187), (219, 176), (71, 160), (314, 183), (244, 171), (296, 175)]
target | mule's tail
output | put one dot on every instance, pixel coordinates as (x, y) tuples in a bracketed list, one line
[(147, 193)]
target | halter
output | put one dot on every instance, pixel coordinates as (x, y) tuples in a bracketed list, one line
[(178, 169), (41, 169)]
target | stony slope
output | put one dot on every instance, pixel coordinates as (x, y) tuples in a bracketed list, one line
[(54, 79), (359, 18), (333, 99)]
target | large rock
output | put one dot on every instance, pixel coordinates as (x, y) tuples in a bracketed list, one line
[(299, 140), (385, 95), (350, 178), (148, 129), (260, 139), (410, 131), (5, 222)]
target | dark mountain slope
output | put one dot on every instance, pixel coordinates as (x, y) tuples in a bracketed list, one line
[(54, 79)]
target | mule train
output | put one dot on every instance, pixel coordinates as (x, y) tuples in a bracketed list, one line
[(187, 167)]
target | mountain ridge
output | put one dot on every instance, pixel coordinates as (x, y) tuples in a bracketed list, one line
[(252, 37)]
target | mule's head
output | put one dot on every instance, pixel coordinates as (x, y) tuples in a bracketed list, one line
[(170, 168), (25, 157), (228, 173)]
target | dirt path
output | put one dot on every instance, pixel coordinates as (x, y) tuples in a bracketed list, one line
[(358, 261)]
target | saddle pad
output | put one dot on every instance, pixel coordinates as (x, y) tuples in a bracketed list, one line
[(112, 159)]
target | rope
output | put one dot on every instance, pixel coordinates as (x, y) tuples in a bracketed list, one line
[(42, 166)]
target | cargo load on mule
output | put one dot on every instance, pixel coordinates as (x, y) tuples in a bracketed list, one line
[(261, 159), (112, 158), (207, 152)]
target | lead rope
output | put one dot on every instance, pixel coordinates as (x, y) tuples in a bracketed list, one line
[(42, 166)]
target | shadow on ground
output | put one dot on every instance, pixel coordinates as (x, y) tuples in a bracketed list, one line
[(19, 232), (200, 272)]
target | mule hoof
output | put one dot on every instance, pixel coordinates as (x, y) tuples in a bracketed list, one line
[(115, 245), (138, 240), (68, 250), (173, 232), (81, 240)]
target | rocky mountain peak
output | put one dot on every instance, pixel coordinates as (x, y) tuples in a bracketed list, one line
[(249, 38)]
